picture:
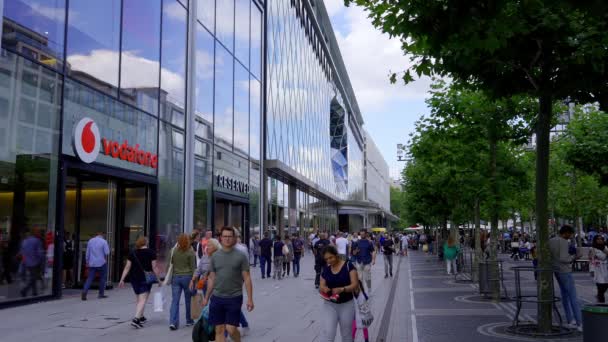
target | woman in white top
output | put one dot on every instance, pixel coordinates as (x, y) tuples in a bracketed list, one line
[(598, 256)]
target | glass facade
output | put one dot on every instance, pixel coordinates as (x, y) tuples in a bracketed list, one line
[(123, 64), (97, 107), (30, 113)]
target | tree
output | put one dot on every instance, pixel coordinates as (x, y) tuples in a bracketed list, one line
[(502, 124), (544, 48)]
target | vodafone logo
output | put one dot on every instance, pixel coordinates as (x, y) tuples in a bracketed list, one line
[(86, 140)]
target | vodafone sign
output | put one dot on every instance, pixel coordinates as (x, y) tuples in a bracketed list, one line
[(86, 140), (88, 143)]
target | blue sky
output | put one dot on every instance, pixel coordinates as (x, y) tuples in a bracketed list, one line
[(389, 110)]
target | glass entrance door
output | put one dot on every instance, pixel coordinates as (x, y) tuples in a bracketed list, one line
[(95, 203), (231, 214), (133, 220), (90, 209)]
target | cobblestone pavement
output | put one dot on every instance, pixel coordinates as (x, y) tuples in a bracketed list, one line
[(420, 303)]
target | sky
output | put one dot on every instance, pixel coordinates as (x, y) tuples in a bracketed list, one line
[(389, 110)]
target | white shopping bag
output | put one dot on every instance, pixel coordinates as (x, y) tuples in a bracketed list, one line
[(159, 301)]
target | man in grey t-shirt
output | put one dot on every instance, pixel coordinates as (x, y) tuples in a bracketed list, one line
[(228, 270)]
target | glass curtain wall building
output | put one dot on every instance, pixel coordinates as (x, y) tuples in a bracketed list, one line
[(315, 162), (126, 117), (158, 117)]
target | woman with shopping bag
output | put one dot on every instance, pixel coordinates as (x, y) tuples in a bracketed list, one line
[(339, 281), (141, 268)]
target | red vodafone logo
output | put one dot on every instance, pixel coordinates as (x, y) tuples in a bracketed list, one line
[(86, 140)]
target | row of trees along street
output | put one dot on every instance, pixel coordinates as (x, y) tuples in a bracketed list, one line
[(509, 64)]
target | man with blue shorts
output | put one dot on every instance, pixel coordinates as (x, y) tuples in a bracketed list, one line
[(228, 270)]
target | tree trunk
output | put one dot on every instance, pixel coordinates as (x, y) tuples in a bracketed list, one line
[(545, 279), (494, 195), (478, 251)]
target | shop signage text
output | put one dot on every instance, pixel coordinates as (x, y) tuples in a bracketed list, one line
[(132, 154), (231, 184), (87, 143)]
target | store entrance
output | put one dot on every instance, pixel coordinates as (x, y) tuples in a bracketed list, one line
[(232, 214), (96, 203)]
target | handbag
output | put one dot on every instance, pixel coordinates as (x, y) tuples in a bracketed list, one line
[(159, 301), (363, 307), (285, 250), (169, 275), (150, 276)]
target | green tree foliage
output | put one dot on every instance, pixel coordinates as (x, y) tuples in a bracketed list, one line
[(549, 49), (587, 147)]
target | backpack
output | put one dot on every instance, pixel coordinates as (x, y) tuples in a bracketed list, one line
[(298, 245)]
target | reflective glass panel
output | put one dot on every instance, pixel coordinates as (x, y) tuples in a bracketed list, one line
[(173, 71), (170, 189), (255, 118), (204, 74), (224, 63), (241, 110), (206, 13), (225, 23), (93, 43), (35, 28), (28, 178), (241, 31), (140, 54), (256, 41)]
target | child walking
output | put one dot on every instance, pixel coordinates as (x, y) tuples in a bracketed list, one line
[(358, 322)]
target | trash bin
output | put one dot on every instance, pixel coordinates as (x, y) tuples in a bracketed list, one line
[(484, 282), (595, 320)]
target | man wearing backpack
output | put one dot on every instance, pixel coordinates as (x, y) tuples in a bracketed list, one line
[(298, 250)]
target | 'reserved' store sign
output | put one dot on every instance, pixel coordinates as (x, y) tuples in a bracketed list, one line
[(88, 143)]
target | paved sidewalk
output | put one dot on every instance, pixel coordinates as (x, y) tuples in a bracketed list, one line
[(286, 310), (420, 304)]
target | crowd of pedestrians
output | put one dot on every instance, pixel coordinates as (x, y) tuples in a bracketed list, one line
[(216, 271)]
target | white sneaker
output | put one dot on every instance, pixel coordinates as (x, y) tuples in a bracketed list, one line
[(579, 328)]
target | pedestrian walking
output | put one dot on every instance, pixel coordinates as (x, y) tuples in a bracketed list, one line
[(515, 248), (140, 261), (598, 261), (287, 257), (405, 244), (360, 295), (201, 273), (298, 252), (266, 255), (389, 250), (318, 248), (278, 257), (97, 262), (228, 271), (184, 262), (339, 281), (32, 256), (365, 256), (342, 246), (254, 249), (563, 254), (450, 252)]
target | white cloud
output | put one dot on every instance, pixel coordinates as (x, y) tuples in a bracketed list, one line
[(370, 57), (175, 11), (54, 13), (334, 6), (143, 73)]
